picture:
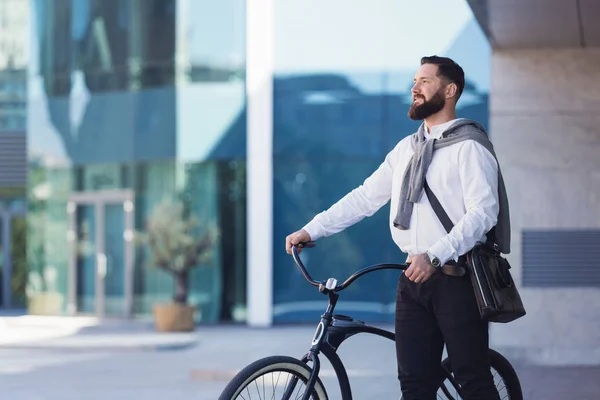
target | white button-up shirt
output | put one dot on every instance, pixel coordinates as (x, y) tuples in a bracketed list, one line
[(464, 178)]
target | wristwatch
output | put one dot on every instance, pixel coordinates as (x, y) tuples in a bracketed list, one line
[(433, 260)]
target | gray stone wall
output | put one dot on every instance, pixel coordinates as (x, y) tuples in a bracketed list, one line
[(545, 124)]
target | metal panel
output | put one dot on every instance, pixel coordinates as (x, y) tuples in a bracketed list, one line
[(13, 159), (565, 258)]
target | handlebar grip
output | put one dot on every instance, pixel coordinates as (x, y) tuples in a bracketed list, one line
[(307, 245)]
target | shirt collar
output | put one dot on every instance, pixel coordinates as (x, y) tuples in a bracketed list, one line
[(438, 130)]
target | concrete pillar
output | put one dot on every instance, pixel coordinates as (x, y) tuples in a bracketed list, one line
[(259, 95)]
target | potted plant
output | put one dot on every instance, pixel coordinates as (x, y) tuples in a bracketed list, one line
[(177, 243)]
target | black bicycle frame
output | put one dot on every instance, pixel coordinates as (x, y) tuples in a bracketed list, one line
[(331, 332), (334, 329)]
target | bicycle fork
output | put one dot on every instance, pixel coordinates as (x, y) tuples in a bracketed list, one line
[(313, 353)]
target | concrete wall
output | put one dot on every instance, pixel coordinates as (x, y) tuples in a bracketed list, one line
[(545, 123)]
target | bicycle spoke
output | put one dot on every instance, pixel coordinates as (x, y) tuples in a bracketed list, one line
[(278, 376), (499, 383), (274, 378), (299, 395), (257, 390)]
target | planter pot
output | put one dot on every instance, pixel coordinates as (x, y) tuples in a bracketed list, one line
[(45, 303), (174, 317)]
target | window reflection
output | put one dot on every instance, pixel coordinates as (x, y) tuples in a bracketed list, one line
[(124, 98), (341, 97), (116, 44)]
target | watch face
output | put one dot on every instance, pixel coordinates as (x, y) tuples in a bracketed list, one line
[(434, 260)]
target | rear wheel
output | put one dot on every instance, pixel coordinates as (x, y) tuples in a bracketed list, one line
[(273, 378), (505, 378)]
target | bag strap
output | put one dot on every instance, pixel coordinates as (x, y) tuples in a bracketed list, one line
[(439, 210), (445, 219)]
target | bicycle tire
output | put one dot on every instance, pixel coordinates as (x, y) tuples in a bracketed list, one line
[(268, 365), (504, 368)]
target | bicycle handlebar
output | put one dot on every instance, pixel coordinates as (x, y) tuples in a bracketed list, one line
[(331, 283)]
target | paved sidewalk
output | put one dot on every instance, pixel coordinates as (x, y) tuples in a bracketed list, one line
[(75, 358), (87, 333), (370, 362)]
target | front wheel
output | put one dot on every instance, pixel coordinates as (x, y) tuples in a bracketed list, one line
[(505, 378), (276, 378)]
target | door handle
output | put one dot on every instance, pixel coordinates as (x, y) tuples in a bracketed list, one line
[(101, 262)]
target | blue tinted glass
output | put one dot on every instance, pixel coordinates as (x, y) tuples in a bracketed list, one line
[(139, 94), (211, 117), (341, 96), (315, 113), (302, 187)]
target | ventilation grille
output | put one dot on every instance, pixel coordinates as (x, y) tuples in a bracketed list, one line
[(561, 258), (13, 159)]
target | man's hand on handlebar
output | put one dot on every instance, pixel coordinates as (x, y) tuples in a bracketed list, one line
[(296, 238)]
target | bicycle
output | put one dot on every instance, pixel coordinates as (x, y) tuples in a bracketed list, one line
[(331, 332)]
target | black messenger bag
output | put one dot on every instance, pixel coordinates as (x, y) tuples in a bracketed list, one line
[(497, 296)]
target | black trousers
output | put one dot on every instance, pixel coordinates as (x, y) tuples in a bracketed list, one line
[(441, 310)]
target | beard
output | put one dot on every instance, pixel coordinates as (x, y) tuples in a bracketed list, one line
[(428, 107)]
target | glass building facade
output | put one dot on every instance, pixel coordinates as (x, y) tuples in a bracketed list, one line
[(342, 85), (134, 101)]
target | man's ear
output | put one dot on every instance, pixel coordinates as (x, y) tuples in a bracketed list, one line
[(451, 90)]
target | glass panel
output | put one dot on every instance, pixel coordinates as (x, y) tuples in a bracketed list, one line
[(86, 258), (212, 39), (1, 263), (212, 193), (13, 99), (114, 248), (19, 261), (109, 107), (314, 185), (48, 252), (102, 73), (200, 197), (152, 43), (338, 109), (211, 97), (156, 182)]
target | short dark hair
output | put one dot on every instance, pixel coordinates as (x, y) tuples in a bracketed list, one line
[(449, 70)]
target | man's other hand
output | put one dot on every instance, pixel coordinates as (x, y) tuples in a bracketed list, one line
[(420, 270), (293, 239)]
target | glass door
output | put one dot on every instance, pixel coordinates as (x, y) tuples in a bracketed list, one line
[(101, 266)]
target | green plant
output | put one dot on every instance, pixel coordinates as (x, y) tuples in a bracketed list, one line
[(178, 243)]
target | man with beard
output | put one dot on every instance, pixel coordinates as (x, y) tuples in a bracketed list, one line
[(457, 160)]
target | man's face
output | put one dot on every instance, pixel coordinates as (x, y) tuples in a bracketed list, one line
[(428, 93)]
